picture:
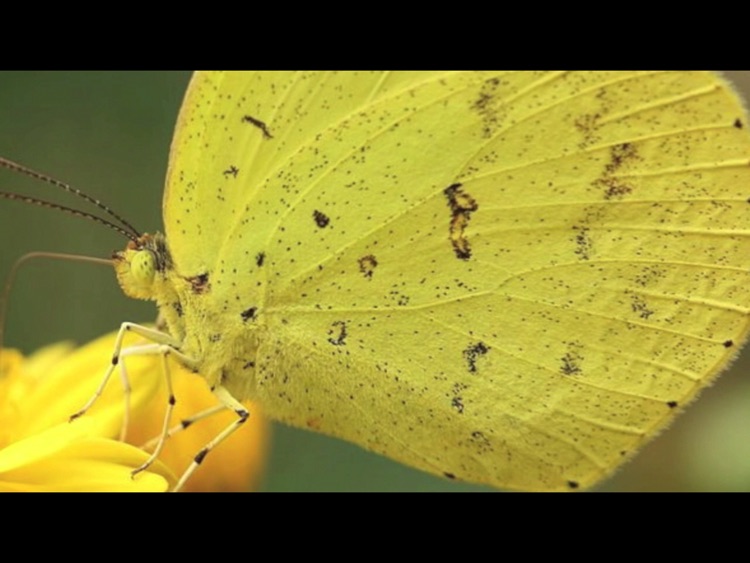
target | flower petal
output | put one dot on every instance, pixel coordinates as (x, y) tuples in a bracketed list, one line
[(67, 457)]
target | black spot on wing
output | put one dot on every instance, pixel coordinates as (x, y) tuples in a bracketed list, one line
[(458, 404), (321, 219), (620, 155), (672, 404), (738, 123), (249, 314), (260, 258), (583, 244), (199, 284), (231, 171), (587, 124), (259, 124), (613, 188), (473, 353), (639, 306), (572, 360), (457, 400), (488, 105), (461, 205), (399, 298), (337, 333), (367, 265), (649, 275), (481, 442), (728, 343)]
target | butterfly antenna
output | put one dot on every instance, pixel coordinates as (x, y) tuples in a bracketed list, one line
[(20, 168), (49, 205)]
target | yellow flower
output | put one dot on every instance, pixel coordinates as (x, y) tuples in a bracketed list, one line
[(41, 450)]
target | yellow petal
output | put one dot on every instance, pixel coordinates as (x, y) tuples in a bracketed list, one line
[(67, 457), (63, 387)]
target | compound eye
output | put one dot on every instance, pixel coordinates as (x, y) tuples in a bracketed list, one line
[(143, 267)]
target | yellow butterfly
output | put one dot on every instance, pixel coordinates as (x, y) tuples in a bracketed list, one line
[(514, 279)]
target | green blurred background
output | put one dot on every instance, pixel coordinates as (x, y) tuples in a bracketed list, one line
[(109, 133)]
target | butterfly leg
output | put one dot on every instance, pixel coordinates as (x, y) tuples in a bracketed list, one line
[(183, 424), (162, 350), (242, 413), (125, 328), (126, 392)]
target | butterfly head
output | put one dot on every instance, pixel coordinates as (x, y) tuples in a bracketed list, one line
[(142, 266)]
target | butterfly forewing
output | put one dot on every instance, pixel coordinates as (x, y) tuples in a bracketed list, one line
[(511, 278)]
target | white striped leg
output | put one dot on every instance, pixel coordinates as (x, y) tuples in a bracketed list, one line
[(242, 413), (149, 334), (184, 423), (164, 351)]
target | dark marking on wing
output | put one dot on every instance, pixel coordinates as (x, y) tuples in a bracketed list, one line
[(573, 484), (401, 299), (367, 265), (199, 284), (458, 404), (640, 307), (649, 275), (473, 353), (462, 205), (488, 106), (457, 401), (337, 333), (583, 242), (321, 219), (728, 343), (449, 476), (231, 171), (613, 188), (481, 442), (260, 258), (619, 156), (672, 404), (259, 124), (587, 124), (571, 361), (248, 314), (738, 123)]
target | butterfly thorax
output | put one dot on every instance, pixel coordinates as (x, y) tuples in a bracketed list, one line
[(223, 351)]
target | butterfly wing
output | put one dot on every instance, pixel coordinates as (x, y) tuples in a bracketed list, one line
[(510, 278)]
